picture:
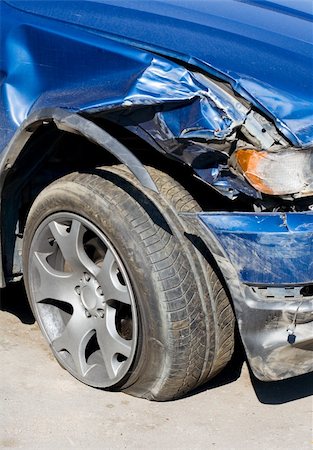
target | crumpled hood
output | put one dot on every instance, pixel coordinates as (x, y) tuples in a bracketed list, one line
[(264, 48)]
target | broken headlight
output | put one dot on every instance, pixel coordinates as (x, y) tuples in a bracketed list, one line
[(285, 172)]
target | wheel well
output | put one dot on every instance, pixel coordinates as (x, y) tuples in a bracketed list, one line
[(52, 153), (207, 197)]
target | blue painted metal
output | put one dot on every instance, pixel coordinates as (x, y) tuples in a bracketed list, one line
[(266, 248), (261, 47), (227, 183)]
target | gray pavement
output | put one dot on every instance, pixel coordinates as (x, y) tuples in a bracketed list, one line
[(43, 407)]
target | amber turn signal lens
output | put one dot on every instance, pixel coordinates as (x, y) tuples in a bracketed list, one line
[(250, 162)]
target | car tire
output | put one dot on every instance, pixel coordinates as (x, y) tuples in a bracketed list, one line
[(219, 319), (113, 288)]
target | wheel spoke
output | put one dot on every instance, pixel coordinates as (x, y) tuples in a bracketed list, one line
[(74, 339), (71, 245), (111, 343), (54, 284), (111, 286)]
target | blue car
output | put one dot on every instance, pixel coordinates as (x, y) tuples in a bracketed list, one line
[(156, 177)]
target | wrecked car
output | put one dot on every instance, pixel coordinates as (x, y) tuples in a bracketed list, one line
[(157, 185)]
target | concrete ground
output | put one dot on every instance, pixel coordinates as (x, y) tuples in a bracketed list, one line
[(43, 407)]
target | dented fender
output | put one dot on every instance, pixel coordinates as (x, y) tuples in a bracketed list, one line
[(188, 110)]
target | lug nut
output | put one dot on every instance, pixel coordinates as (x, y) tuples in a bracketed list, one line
[(78, 290), (87, 314), (99, 291), (87, 277), (101, 314)]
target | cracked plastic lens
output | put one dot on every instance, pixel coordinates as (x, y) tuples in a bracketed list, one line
[(282, 173)]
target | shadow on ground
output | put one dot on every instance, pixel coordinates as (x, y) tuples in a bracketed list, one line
[(270, 393), (13, 300), (284, 391)]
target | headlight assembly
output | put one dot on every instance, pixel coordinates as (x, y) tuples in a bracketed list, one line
[(285, 172)]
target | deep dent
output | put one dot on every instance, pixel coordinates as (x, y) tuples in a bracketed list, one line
[(179, 111)]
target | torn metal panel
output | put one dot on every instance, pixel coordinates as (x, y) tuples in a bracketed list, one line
[(274, 312), (188, 116), (179, 109), (197, 121), (225, 182), (197, 109)]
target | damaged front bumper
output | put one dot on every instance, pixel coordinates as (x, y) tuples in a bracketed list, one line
[(267, 262)]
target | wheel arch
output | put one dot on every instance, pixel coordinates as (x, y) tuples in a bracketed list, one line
[(16, 170), (108, 141)]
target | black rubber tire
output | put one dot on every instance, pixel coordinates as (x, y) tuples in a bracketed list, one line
[(182, 342), (219, 319)]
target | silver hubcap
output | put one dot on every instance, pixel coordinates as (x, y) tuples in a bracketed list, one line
[(83, 299)]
